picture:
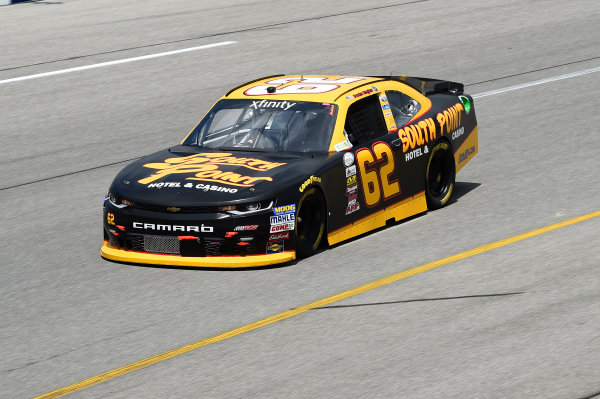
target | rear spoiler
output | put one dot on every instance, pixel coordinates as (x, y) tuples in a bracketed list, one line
[(428, 86)]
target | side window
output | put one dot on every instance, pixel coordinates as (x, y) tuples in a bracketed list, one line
[(402, 106), (364, 121)]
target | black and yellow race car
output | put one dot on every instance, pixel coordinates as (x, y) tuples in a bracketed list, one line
[(283, 164)]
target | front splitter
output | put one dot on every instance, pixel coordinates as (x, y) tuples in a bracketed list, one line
[(121, 255)]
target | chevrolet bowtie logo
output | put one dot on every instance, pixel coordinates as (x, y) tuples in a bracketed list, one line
[(173, 209)]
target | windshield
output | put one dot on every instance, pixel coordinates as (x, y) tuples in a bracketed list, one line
[(266, 125)]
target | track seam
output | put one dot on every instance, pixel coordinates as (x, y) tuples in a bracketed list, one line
[(206, 36), (484, 94), (532, 71), (68, 174)]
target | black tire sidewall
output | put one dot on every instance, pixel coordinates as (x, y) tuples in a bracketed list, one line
[(444, 149), (307, 247)]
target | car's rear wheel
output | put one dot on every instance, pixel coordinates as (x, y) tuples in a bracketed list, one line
[(310, 222), (440, 175)]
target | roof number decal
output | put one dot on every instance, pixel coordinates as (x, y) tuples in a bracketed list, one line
[(299, 85)]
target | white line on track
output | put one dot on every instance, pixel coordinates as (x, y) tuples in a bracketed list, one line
[(537, 82), (116, 62)]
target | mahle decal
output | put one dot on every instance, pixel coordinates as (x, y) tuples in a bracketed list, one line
[(204, 167)]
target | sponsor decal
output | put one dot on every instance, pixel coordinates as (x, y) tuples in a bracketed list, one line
[(457, 133), (246, 228), (387, 114), (466, 103), (417, 152), (375, 89), (199, 186), (349, 98), (352, 208), (280, 236), (276, 228), (463, 157), (205, 167), (450, 119), (348, 159), (418, 134), (275, 247), (352, 199), (341, 146), (331, 108), (362, 93), (281, 210), (351, 189), (309, 181), (272, 104), (166, 184), (350, 170), (279, 219), (172, 227), (352, 180), (208, 187)]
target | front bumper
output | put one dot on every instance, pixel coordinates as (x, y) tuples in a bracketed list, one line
[(134, 235), (121, 255)]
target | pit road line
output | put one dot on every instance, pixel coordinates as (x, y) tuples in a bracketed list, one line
[(115, 62), (302, 309)]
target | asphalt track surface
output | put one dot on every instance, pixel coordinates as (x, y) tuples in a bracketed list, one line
[(518, 321)]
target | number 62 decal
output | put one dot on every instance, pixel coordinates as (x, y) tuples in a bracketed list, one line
[(376, 167)]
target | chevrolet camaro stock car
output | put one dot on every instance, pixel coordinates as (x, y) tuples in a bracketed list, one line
[(283, 164)]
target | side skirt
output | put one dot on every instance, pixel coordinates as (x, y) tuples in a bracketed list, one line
[(401, 210)]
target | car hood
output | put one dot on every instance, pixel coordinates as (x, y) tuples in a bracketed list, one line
[(187, 176)]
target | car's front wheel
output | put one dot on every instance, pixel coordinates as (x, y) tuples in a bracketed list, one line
[(440, 175), (310, 222)]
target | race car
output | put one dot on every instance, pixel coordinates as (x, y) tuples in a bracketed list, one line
[(283, 164)]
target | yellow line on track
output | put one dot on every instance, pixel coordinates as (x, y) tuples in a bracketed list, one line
[(326, 301)]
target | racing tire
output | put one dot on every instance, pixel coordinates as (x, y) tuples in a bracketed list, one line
[(310, 223), (440, 175)]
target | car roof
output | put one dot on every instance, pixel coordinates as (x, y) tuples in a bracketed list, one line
[(320, 88)]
